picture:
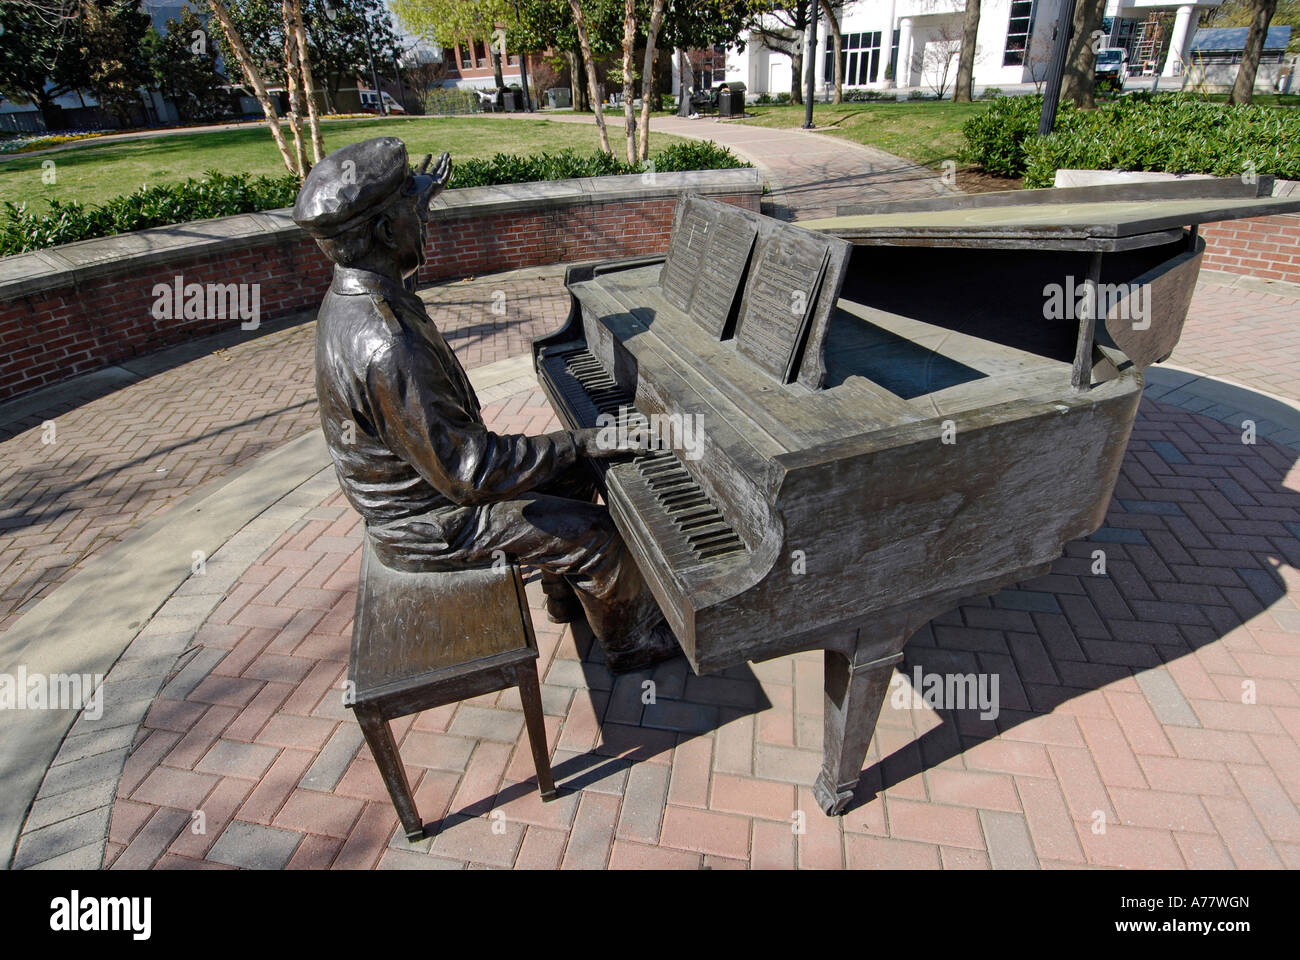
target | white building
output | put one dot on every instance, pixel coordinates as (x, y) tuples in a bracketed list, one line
[(913, 44)]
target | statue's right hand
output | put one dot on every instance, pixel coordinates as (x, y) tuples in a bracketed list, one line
[(594, 442)]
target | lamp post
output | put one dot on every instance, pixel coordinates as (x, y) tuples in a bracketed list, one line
[(810, 64), (1060, 46)]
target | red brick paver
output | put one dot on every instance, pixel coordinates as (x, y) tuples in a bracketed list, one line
[(1150, 715)]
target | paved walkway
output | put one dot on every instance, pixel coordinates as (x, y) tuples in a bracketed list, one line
[(1122, 695), (809, 173)]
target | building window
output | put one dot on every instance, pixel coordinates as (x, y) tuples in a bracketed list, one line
[(893, 56), (1020, 27), (860, 56), (466, 58)]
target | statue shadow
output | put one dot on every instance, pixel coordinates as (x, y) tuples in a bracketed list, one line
[(1196, 545), (1197, 542), (637, 716)]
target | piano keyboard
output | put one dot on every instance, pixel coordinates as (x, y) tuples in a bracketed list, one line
[(687, 527)]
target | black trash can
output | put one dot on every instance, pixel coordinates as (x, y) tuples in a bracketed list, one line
[(731, 99)]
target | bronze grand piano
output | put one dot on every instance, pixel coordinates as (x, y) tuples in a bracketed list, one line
[(893, 415)]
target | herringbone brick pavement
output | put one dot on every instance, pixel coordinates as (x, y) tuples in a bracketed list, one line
[(1250, 336), (1149, 693), (118, 459)]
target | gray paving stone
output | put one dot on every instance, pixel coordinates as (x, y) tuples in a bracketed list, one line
[(485, 723), (136, 688), (172, 644), (680, 715), (63, 777), (238, 759), (1166, 700), (595, 774), (193, 673), (1009, 843), (334, 758), (567, 673), (415, 860), (643, 802), (788, 764), (89, 857), (1034, 601), (62, 837), (94, 743), (254, 847), (48, 810)]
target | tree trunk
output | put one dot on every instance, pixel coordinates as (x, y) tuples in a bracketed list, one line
[(1243, 88), (254, 79), (838, 45), (648, 74), (1081, 59), (796, 74), (577, 89), (584, 40), (964, 91), (308, 82), (629, 90), (291, 83)]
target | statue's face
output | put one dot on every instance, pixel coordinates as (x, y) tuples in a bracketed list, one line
[(409, 233)]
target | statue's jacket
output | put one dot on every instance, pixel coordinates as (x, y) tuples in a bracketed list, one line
[(404, 429)]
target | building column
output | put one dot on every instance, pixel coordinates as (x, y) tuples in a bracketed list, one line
[(904, 71), (1180, 39), (887, 46)]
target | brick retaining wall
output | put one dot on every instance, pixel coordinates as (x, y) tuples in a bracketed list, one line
[(79, 307), (1267, 247)]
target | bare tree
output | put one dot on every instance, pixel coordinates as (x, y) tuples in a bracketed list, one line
[(629, 79), (584, 41), (937, 60), (782, 30), (833, 9), (1243, 88), (964, 90), (292, 85), (1038, 61), (308, 82), (254, 77), (648, 73)]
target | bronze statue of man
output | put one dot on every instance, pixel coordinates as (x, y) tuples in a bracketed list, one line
[(437, 488)]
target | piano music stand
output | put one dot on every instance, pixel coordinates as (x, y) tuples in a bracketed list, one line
[(423, 640)]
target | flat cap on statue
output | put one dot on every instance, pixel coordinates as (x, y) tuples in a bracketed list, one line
[(358, 181)]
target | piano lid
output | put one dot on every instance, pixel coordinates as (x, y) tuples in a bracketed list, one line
[(1110, 217)]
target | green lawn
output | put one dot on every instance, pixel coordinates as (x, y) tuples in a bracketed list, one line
[(927, 132), (93, 173)]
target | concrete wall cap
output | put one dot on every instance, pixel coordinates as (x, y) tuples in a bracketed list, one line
[(72, 264)]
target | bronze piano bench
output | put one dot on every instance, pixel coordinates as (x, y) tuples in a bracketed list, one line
[(423, 640)]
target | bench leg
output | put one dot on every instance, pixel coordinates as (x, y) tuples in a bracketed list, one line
[(380, 737), (531, 695)]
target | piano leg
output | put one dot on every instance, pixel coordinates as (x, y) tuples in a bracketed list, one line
[(857, 679)]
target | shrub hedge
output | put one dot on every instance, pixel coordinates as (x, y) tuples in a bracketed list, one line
[(1172, 133), (221, 195)]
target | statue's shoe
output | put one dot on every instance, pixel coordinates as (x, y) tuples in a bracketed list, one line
[(657, 646), (563, 609)]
